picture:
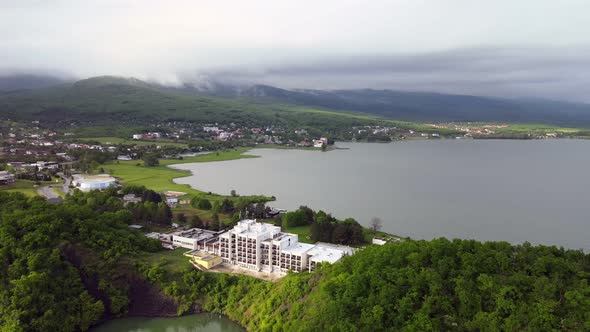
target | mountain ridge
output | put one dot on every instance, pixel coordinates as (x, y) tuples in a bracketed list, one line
[(389, 104)]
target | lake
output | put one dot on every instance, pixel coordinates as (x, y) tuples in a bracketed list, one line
[(190, 323), (511, 190)]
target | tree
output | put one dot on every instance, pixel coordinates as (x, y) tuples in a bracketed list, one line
[(203, 204), (181, 218), (294, 218), (227, 206), (163, 214), (196, 222), (215, 222), (150, 160), (151, 196), (233, 193), (259, 210), (376, 224)]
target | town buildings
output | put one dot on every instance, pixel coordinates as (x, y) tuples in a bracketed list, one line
[(6, 178)]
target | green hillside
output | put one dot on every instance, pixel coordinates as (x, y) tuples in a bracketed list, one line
[(129, 102), (68, 266)]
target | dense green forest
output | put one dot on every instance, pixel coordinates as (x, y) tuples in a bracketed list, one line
[(67, 266)]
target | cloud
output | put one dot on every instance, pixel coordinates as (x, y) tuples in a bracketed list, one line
[(523, 72), (517, 48)]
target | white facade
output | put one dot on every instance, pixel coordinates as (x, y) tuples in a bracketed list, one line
[(379, 241), (326, 252), (6, 178), (318, 143), (263, 247), (93, 182), (195, 238)]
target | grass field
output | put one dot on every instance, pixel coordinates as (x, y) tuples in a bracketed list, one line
[(174, 260), (538, 129), (23, 186), (160, 178), (233, 154), (302, 231), (58, 191)]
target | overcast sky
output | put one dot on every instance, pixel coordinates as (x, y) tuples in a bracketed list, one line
[(515, 48)]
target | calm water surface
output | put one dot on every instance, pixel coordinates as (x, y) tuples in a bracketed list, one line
[(536, 191), (190, 323)]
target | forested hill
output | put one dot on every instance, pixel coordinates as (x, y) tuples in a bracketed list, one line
[(127, 99), (67, 266), (128, 102), (436, 107)]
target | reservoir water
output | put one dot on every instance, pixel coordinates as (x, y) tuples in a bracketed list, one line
[(511, 190), (190, 323)]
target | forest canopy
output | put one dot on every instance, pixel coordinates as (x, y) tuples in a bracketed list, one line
[(62, 265)]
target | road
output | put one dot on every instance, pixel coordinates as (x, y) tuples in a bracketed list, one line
[(66, 185), (47, 192)]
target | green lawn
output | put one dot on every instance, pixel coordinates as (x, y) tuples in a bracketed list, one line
[(159, 178), (23, 186), (175, 262), (233, 154), (302, 231), (58, 191)]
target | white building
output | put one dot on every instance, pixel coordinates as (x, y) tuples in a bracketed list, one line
[(318, 143), (137, 136), (93, 182), (195, 238), (6, 178), (263, 247), (326, 252)]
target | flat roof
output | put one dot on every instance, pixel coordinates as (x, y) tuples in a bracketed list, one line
[(101, 178), (297, 249), (324, 252), (196, 233)]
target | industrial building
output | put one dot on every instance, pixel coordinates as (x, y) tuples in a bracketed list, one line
[(93, 182)]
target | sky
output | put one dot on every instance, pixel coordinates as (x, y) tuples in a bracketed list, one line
[(524, 48)]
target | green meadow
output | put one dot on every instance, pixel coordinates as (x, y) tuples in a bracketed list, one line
[(160, 178), (23, 186)]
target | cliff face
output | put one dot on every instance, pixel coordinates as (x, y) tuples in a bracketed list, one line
[(148, 300), (145, 299)]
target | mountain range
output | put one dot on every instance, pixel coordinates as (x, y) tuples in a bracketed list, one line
[(38, 94)]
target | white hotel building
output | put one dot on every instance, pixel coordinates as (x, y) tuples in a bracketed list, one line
[(263, 247)]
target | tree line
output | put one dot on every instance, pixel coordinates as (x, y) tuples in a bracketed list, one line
[(324, 227)]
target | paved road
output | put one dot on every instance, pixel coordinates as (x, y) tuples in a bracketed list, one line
[(66, 185), (47, 192)]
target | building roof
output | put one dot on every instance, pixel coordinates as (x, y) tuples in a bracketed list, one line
[(297, 248), (100, 178), (324, 252), (196, 233)]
